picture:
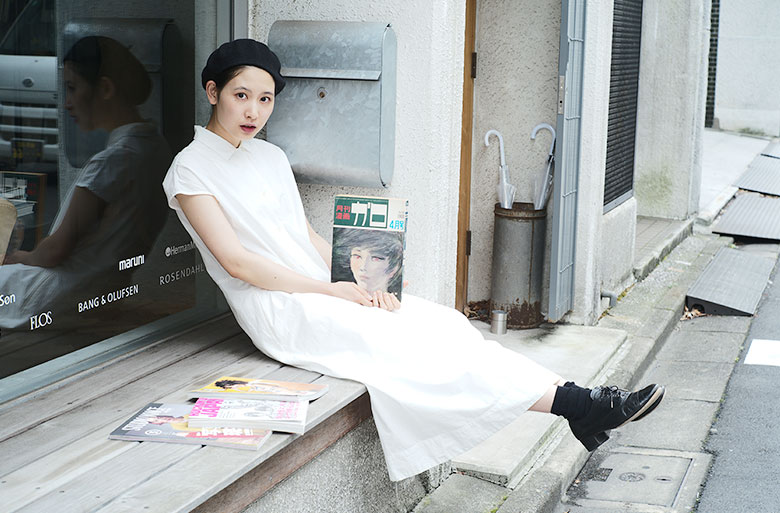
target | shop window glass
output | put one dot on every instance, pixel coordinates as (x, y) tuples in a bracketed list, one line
[(95, 99)]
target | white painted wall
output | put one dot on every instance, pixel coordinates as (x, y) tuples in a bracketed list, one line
[(428, 120), (516, 88), (670, 107), (617, 248), (747, 96)]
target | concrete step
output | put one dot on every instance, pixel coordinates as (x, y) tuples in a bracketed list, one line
[(463, 494), (580, 354)]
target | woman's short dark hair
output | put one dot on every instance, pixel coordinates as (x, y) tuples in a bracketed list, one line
[(221, 79), (384, 243), (93, 57)]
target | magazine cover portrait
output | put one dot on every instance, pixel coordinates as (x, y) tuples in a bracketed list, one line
[(368, 242), (371, 258)]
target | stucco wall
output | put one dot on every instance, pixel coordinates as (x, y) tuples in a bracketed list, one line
[(747, 96), (617, 248), (428, 119), (670, 107), (515, 89)]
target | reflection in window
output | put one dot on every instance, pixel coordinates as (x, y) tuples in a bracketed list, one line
[(32, 32), (88, 246)]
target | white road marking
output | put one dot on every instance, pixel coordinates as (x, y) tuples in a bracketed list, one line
[(763, 352)]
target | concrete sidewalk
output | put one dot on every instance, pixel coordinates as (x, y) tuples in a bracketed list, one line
[(528, 466), (725, 157)]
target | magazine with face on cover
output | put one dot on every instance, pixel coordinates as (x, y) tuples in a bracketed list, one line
[(369, 239), (167, 422), (283, 416), (249, 388)]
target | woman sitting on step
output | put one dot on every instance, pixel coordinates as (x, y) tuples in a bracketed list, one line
[(437, 388)]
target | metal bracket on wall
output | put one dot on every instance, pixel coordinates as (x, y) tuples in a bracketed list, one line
[(561, 92)]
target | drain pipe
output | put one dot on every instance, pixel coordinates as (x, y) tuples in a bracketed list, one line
[(612, 297)]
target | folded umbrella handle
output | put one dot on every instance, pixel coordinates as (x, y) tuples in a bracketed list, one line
[(536, 130), (500, 144)]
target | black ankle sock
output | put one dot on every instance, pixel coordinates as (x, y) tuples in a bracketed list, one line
[(571, 401)]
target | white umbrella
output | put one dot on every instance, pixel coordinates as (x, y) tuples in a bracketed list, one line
[(506, 191), (544, 182)]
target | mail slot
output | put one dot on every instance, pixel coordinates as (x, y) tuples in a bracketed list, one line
[(335, 118)]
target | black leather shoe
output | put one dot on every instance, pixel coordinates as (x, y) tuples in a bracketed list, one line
[(611, 408)]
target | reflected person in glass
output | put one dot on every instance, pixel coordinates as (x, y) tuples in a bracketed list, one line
[(112, 211)]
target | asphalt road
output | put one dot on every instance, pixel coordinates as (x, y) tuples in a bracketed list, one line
[(745, 438)]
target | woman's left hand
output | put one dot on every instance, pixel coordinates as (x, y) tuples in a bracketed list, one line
[(17, 257), (385, 301)]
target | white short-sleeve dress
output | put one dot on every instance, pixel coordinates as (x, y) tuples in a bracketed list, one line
[(437, 387)]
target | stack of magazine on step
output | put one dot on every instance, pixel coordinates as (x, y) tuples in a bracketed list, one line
[(229, 412)]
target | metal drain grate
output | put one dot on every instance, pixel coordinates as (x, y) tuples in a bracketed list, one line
[(763, 175), (637, 479), (731, 284), (751, 215)]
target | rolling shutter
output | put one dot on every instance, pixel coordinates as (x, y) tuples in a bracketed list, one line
[(709, 115), (624, 83)]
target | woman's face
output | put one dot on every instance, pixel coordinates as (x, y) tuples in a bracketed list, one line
[(371, 270), (243, 106), (79, 98)]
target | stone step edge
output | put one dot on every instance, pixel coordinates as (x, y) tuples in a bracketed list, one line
[(645, 266)]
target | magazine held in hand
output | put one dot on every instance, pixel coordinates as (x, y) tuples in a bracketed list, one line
[(227, 387), (158, 422), (369, 242), (285, 416)]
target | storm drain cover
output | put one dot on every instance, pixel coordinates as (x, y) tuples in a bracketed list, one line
[(751, 215), (644, 479), (763, 175), (731, 284), (772, 150), (635, 479)]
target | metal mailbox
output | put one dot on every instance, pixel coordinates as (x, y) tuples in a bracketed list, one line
[(335, 118)]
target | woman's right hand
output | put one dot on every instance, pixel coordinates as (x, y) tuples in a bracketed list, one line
[(351, 292)]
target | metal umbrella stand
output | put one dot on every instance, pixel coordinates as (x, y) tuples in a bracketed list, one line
[(518, 264), (519, 235)]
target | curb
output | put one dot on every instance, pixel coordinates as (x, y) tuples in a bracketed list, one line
[(711, 211), (647, 265)]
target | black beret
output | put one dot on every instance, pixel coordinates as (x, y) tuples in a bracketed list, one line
[(243, 52)]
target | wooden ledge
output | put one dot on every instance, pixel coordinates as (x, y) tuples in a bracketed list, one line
[(55, 454), (265, 476)]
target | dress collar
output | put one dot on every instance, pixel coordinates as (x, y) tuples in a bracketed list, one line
[(215, 142)]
